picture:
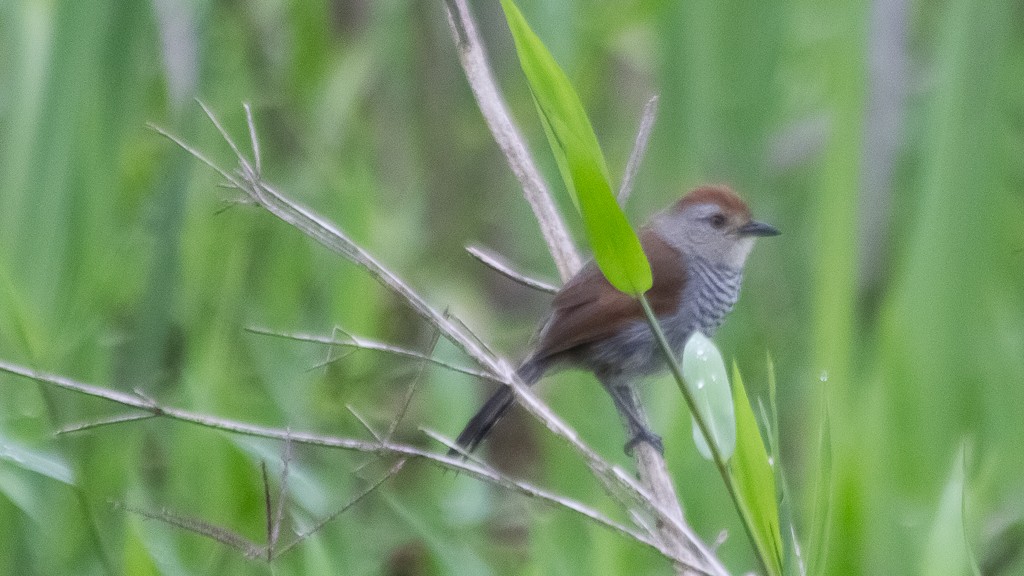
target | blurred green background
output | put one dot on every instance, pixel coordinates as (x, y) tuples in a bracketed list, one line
[(884, 138)]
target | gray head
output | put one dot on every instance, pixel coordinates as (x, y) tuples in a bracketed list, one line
[(714, 223)]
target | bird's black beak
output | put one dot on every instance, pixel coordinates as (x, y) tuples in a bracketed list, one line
[(755, 228)]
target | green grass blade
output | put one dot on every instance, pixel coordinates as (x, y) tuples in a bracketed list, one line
[(946, 551), (822, 496), (754, 480), (794, 562), (617, 249), (972, 559)]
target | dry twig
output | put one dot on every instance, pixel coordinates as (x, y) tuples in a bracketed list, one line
[(643, 137), (506, 134), (360, 343), (493, 261)]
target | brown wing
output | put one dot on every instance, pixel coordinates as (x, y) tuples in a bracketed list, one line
[(589, 309)]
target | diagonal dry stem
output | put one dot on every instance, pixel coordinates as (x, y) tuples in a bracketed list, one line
[(119, 419), (643, 137), (473, 58), (360, 343), (493, 261)]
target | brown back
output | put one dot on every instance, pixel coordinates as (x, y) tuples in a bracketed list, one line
[(589, 309)]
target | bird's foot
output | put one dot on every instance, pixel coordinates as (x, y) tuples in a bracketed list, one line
[(647, 437)]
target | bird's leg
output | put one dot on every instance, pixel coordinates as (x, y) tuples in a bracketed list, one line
[(628, 405), (640, 430)]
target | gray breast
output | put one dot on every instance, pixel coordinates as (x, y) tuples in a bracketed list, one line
[(712, 292)]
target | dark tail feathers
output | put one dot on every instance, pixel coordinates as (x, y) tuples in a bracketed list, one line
[(497, 405)]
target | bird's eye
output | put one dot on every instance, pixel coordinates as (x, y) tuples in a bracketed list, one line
[(717, 221)]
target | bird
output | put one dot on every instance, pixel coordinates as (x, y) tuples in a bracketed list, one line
[(697, 249)]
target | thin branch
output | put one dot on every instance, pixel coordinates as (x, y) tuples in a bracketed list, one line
[(232, 182), (196, 526), (471, 334), (70, 429), (474, 62), (355, 500), (247, 168), (282, 495), (140, 393), (268, 508), (461, 450), (411, 390), (671, 527), (365, 424), (494, 263), (643, 137), (361, 343), (330, 358), (254, 141)]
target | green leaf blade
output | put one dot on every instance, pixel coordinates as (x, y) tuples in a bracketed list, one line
[(617, 250), (821, 518), (754, 480)]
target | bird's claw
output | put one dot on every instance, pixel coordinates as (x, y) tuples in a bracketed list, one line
[(647, 437)]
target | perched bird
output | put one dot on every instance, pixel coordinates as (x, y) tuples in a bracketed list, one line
[(697, 249)]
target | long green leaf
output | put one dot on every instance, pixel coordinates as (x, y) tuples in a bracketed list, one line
[(821, 519), (972, 559), (794, 563), (617, 249), (706, 378), (754, 480), (946, 551)]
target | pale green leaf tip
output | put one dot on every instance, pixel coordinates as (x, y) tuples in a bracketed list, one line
[(705, 375)]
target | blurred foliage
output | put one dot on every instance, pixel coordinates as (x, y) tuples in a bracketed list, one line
[(885, 139)]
